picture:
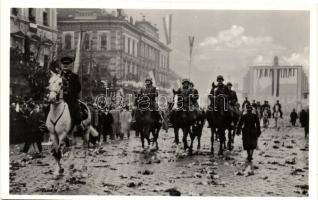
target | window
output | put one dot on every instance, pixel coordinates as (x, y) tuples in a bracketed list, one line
[(128, 46), (103, 42), (142, 51), (68, 42), (133, 47), (87, 41), (32, 15), (15, 11), (45, 18), (124, 42)]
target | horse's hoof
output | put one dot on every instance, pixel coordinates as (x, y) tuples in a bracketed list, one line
[(61, 171)]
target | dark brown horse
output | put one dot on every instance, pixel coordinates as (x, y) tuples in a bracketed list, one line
[(184, 118), (147, 121), (219, 118)]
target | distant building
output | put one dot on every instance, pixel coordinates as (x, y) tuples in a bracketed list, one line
[(114, 46), (288, 84), (36, 27)]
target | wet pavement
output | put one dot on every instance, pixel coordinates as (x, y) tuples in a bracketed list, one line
[(121, 167)]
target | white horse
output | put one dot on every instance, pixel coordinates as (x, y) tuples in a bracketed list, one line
[(59, 122)]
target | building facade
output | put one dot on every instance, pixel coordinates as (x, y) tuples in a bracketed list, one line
[(33, 32), (288, 84), (114, 46)]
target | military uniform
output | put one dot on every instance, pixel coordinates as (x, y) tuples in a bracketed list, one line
[(151, 92), (184, 98), (71, 94), (221, 90)]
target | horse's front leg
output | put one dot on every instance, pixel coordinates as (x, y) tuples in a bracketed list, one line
[(192, 137), (222, 140), (212, 139), (229, 143), (185, 136), (176, 135), (199, 138), (56, 153)]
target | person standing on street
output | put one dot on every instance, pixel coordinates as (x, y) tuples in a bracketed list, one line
[(250, 126), (35, 135), (116, 124), (245, 103), (304, 120), (125, 119), (106, 122), (293, 117)]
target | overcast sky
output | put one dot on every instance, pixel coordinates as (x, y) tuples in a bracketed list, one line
[(228, 41)]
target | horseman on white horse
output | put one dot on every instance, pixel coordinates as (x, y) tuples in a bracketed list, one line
[(71, 89), (65, 115)]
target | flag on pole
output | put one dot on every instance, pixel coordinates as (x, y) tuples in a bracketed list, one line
[(191, 42), (167, 26), (152, 76), (77, 55)]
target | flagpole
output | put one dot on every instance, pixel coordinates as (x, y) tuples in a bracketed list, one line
[(190, 62), (191, 41)]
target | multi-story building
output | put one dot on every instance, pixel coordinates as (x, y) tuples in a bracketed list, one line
[(114, 46), (36, 30), (288, 84)]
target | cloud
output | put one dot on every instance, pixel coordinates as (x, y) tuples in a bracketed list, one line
[(234, 38), (297, 58)]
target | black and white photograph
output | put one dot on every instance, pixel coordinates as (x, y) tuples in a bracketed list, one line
[(159, 102)]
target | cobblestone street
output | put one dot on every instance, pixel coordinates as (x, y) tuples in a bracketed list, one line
[(121, 167)]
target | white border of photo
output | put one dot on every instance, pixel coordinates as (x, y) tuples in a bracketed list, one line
[(309, 5)]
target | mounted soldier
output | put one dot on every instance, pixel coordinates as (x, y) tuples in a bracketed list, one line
[(184, 95), (278, 108), (71, 90), (233, 101), (150, 93), (266, 108), (220, 90)]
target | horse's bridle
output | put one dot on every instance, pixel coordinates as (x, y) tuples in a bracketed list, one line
[(58, 93)]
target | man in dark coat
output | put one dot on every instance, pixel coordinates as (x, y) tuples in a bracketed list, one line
[(106, 122), (304, 120), (35, 134), (293, 117), (250, 126)]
